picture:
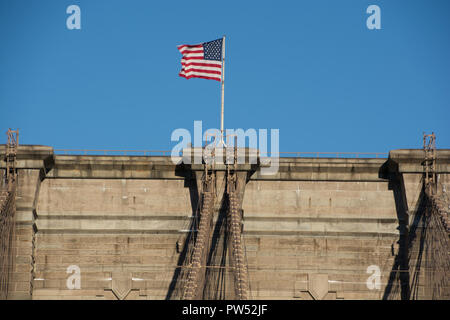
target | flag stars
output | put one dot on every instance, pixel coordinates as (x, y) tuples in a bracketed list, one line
[(213, 50)]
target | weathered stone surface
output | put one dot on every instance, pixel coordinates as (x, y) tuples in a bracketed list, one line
[(310, 231)]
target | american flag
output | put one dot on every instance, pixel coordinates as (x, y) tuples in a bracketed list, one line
[(202, 60)]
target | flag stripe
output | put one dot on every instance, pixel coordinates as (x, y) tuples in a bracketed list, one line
[(193, 58), (192, 51), (194, 73), (202, 68), (202, 77), (201, 64), (206, 72), (193, 55), (209, 62), (202, 71), (199, 75), (189, 47)]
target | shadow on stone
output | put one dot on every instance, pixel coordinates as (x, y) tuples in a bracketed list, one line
[(175, 288)]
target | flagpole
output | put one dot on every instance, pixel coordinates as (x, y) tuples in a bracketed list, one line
[(223, 85)]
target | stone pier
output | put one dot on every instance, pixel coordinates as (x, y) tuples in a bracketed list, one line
[(319, 228)]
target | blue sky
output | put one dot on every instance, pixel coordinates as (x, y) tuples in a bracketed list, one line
[(309, 68)]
